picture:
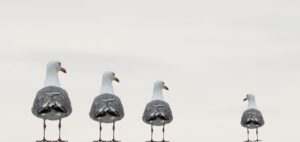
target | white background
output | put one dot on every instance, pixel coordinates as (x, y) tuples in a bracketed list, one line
[(209, 53)]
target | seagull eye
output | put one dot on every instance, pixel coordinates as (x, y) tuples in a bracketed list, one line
[(59, 63)]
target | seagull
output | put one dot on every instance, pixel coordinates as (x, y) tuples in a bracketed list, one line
[(52, 102), (107, 107), (157, 111), (252, 118)]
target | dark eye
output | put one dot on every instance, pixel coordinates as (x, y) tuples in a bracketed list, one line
[(59, 63), (113, 74)]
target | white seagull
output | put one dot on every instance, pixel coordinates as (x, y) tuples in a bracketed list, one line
[(107, 107), (157, 111), (52, 102), (252, 117)]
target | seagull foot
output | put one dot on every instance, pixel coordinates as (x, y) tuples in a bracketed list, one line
[(60, 140), (98, 141), (157, 141), (43, 140), (106, 141), (253, 141)]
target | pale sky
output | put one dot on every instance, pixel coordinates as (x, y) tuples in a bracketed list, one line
[(209, 53)]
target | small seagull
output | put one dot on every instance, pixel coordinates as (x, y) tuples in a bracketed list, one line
[(252, 117), (157, 111), (107, 107), (52, 102)]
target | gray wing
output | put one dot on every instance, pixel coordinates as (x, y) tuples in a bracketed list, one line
[(51, 96), (107, 104), (252, 118), (157, 113)]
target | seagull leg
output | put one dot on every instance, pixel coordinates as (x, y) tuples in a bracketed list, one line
[(100, 129), (113, 140), (44, 137), (257, 135), (151, 134), (247, 136), (44, 130), (59, 129), (113, 131), (163, 130)]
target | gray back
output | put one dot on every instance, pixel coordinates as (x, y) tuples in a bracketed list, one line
[(252, 118), (100, 102), (154, 107), (45, 95)]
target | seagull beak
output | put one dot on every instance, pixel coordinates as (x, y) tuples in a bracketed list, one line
[(245, 99), (116, 79), (63, 70), (165, 87)]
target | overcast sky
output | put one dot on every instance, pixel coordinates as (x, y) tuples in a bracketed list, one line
[(209, 53)]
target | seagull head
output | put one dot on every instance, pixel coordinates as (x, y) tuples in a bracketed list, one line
[(157, 90), (249, 97), (161, 85), (109, 75), (55, 66)]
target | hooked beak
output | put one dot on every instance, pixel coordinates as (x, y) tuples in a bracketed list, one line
[(246, 99), (116, 79), (63, 70), (165, 87)]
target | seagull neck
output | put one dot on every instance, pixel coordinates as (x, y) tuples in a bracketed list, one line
[(52, 78), (251, 103), (157, 93), (107, 87)]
